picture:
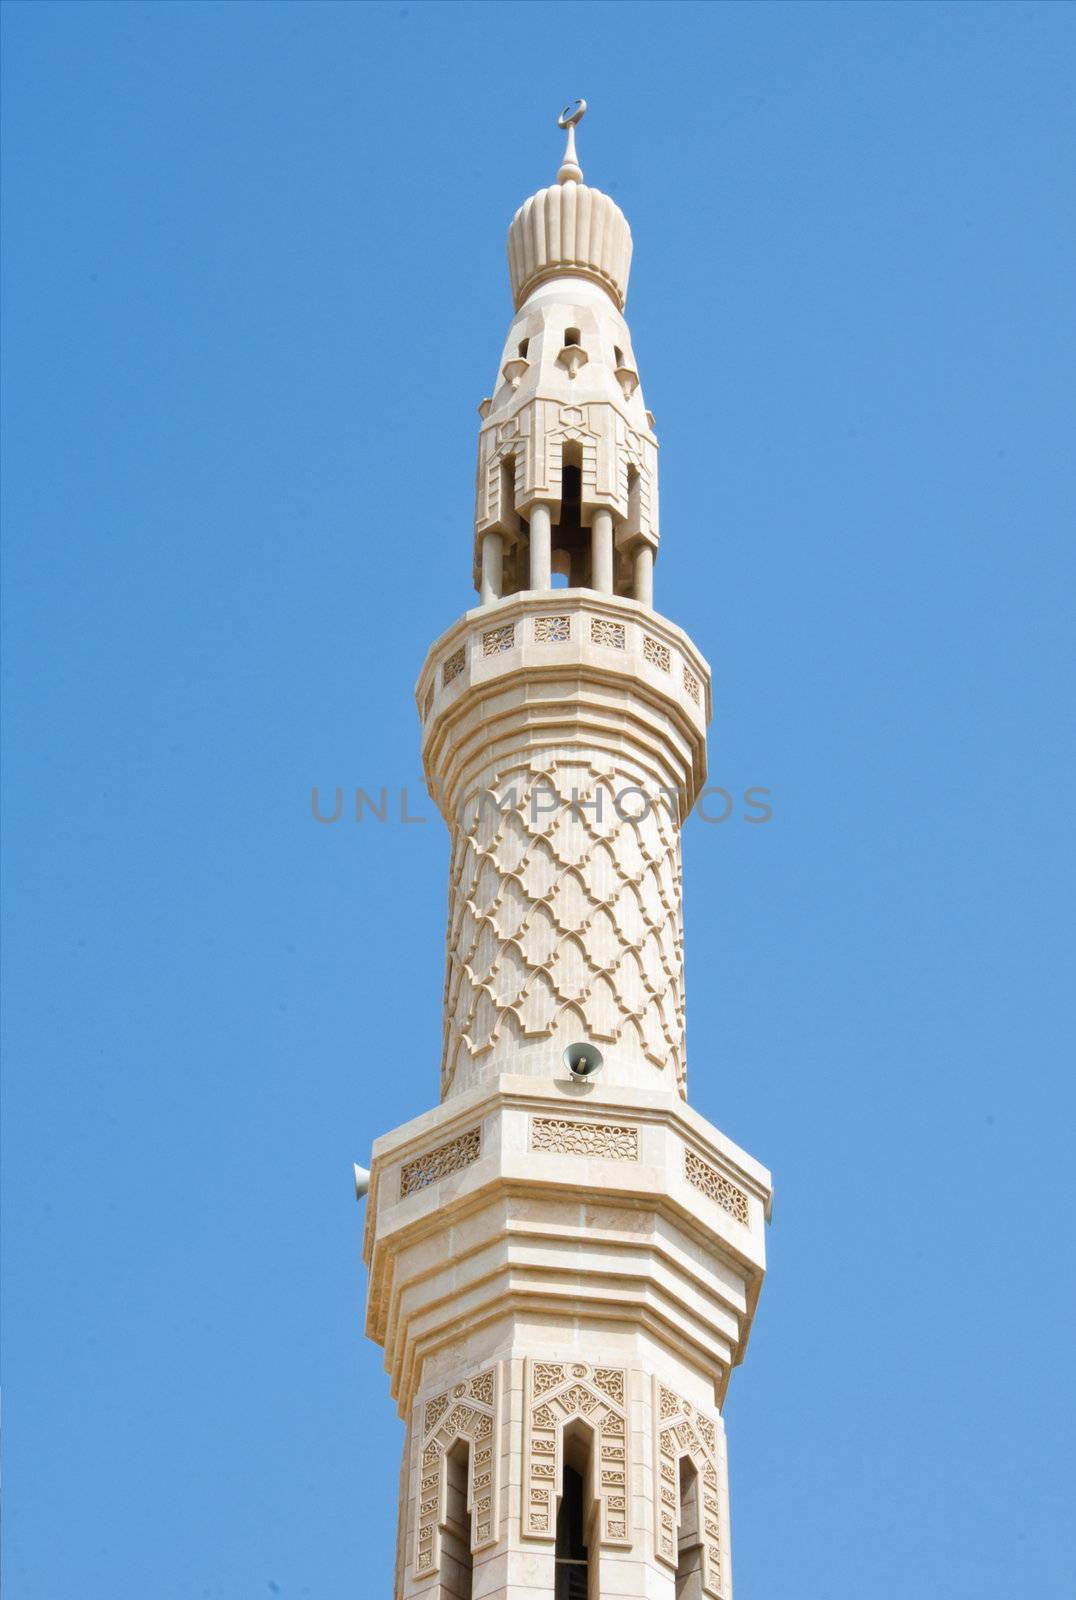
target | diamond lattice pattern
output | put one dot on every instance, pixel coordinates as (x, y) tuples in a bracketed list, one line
[(565, 918)]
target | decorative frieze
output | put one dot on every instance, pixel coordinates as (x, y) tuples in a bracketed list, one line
[(555, 1394), (610, 634), (470, 1411), (552, 630), (610, 1140), (659, 655), (691, 683), (497, 640), (453, 666), (680, 1429), (716, 1186), (449, 1157)]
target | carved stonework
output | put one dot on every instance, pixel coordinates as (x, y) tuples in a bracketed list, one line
[(680, 1429), (716, 1186), (565, 918), (438, 1163), (612, 1141), (555, 1393), (469, 1410), (531, 443)]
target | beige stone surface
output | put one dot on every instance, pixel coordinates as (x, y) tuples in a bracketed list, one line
[(564, 1270)]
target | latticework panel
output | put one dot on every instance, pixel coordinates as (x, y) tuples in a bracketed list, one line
[(682, 1430), (470, 1411), (565, 919), (555, 1394)]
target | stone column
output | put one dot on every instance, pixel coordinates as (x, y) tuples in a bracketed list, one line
[(601, 552), (541, 524), (492, 567), (644, 575)]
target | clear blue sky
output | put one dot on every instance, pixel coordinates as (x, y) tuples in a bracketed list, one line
[(254, 288)]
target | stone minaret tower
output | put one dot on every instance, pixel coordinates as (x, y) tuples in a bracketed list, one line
[(564, 1263)]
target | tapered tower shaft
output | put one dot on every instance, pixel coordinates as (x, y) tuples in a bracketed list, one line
[(564, 1262)]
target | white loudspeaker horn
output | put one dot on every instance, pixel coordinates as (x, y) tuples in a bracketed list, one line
[(582, 1060), (362, 1180)]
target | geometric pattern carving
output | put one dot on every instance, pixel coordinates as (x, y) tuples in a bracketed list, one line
[(607, 1139), (498, 639), (530, 443), (565, 917), (658, 654), (714, 1184), (555, 1393), (470, 1411), (552, 630), (450, 1157), (453, 666), (691, 684), (611, 634), (681, 1430)]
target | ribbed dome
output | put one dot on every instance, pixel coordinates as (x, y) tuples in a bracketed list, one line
[(569, 228)]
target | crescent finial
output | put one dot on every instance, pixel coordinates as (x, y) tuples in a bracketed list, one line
[(570, 170)]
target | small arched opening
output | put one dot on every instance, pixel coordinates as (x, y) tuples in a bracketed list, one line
[(689, 1544), (571, 541), (576, 1572), (457, 1563)]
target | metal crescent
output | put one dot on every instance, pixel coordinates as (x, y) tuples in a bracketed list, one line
[(568, 118)]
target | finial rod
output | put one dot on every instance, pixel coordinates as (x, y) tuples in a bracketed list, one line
[(570, 170)]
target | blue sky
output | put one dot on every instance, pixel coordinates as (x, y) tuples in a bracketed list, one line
[(254, 287)]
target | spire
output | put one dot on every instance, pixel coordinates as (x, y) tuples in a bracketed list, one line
[(570, 170), (569, 229)]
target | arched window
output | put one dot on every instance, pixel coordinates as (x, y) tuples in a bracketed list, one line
[(577, 1532), (571, 541), (689, 1551), (457, 1563)]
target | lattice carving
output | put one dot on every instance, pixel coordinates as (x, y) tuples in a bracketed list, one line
[(610, 634), (552, 630), (680, 1429), (453, 666), (448, 1157), (497, 640), (555, 1393), (714, 1184), (610, 1140), (565, 918), (658, 654), (469, 1410), (691, 683)]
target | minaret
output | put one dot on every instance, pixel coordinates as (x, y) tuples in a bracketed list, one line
[(564, 1257)]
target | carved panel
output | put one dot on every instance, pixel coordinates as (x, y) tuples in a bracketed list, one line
[(448, 1157), (469, 1410), (714, 1184), (565, 918), (453, 666), (611, 1140), (610, 634), (680, 1429), (658, 654), (552, 630), (691, 683), (499, 639), (555, 1393)]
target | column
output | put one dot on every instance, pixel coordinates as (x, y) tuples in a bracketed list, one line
[(541, 523), (601, 552), (492, 567), (644, 575)]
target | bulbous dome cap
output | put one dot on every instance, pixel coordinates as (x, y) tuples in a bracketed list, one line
[(569, 228)]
